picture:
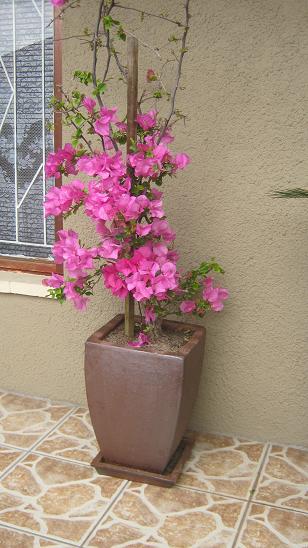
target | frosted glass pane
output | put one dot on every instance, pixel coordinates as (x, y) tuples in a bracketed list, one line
[(26, 86)]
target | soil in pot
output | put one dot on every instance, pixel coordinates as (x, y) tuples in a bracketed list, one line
[(168, 340)]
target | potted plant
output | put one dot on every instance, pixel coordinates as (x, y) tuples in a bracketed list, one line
[(142, 371)]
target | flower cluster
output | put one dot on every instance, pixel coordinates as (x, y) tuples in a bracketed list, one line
[(58, 3), (135, 249)]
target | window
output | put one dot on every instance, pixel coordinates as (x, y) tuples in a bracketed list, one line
[(27, 71)]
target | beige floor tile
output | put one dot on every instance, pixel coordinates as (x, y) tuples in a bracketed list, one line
[(18, 539), (73, 440), (284, 481), (23, 420), (160, 517), (8, 457), (268, 527), (54, 498), (223, 465)]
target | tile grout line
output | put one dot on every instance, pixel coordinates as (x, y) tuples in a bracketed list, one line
[(251, 492), (28, 451), (62, 459), (112, 502), (273, 505), (37, 535), (57, 403), (218, 493), (260, 470), (240, 525)]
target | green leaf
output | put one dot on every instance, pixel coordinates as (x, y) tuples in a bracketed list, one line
[(100, 88), (109, 22), (121, 34), (78, 119), (83, 77)]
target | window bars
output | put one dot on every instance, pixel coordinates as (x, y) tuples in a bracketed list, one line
[(26, 86)]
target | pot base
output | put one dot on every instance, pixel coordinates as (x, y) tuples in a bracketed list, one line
[(167, 478)]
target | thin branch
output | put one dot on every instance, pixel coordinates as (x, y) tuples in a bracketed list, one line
[(108, 43), (291, 193), (122, 68), (178, 23), (72, 4), (179, 71), (155, 50), (95, 48), (82, 136)]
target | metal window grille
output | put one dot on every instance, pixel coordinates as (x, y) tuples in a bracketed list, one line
[(26, 86)]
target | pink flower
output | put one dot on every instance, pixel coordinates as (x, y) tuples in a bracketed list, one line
[(181, 160), (156, 208), (149, 315), (114, 281), (59, 199), (142, 340), (214, 295), (102, 165), (148, 120), (67, 250), (89, 104), (109, 249), (55, 281), (161, 228), (151, 76), (58, 3), (167, 137), (62, 160), (71, 292), (187, 306), (122, 126), (143, 229), (102, 124)]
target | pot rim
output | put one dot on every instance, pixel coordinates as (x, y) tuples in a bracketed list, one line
[(197, 333)]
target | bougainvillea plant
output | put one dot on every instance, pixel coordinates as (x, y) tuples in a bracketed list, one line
[(122, 195)]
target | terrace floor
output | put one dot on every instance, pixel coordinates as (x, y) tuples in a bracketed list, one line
[(233, 492)]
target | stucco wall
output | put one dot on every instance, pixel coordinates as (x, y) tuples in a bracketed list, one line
[(245, 82)]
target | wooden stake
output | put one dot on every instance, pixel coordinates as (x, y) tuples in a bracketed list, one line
[(132, 98)]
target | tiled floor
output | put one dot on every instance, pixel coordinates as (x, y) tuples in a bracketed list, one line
[(233, 493)]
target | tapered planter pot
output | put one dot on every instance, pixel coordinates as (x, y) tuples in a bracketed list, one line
[(140, 401)]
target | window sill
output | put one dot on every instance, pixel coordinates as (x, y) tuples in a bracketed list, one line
[(21, 283)]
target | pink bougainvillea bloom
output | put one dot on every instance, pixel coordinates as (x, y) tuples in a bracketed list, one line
[(214, 295), (156, 209), (58, 3), (67, 250), (104, 165), (89, 104), (143, 229), (55, 281), (122, 126), (62, 159), (59, 199), (161, 228), (151, 76), (149, 314), (148, 120), (142, 340), (70, 291), (187, 306), (102, 124), (110, 249), (114, 281), (181, 160), (167, 137)]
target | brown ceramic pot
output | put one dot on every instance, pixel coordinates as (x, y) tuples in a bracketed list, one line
[(140, 401)]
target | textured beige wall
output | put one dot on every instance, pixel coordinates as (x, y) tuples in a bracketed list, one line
[(246, 97)]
